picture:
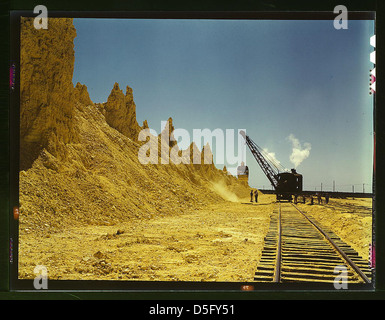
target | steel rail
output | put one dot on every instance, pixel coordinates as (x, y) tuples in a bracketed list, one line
[(277, 270), (338, 249)]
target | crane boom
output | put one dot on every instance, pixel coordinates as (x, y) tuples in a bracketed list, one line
[(270, 173)]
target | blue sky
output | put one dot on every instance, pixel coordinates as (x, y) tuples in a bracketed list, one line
[(272, 78)]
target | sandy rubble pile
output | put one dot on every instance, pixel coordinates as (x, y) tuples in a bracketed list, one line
[(79, 159)]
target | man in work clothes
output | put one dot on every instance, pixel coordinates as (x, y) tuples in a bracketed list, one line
[(256, 195), (251, 195)]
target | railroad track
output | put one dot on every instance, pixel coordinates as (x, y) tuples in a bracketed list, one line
[(297, 249)]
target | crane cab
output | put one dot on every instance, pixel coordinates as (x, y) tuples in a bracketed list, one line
[(289, 184)]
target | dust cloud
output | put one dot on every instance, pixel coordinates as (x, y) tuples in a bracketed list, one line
[(221, 189)]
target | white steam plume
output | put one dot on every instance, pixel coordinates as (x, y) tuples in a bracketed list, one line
[(298, 154)]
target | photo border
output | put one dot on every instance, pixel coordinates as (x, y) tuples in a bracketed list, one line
[(13, 137)]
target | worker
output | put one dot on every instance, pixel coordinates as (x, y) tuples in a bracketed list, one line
[(251, 195), (295, 199), (327, 198), (311, 200), (303, 199), (256, 195), (319, 198)]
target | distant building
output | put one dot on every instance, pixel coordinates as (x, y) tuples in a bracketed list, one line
[(243, 173)]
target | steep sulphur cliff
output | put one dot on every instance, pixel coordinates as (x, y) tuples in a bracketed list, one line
[(47, 95), (120, 112), (79, 159)]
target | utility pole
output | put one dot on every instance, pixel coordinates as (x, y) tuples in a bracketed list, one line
[(334, 186), (363, 188), (353, 188)]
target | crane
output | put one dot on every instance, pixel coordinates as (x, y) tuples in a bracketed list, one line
[(286, 184)]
